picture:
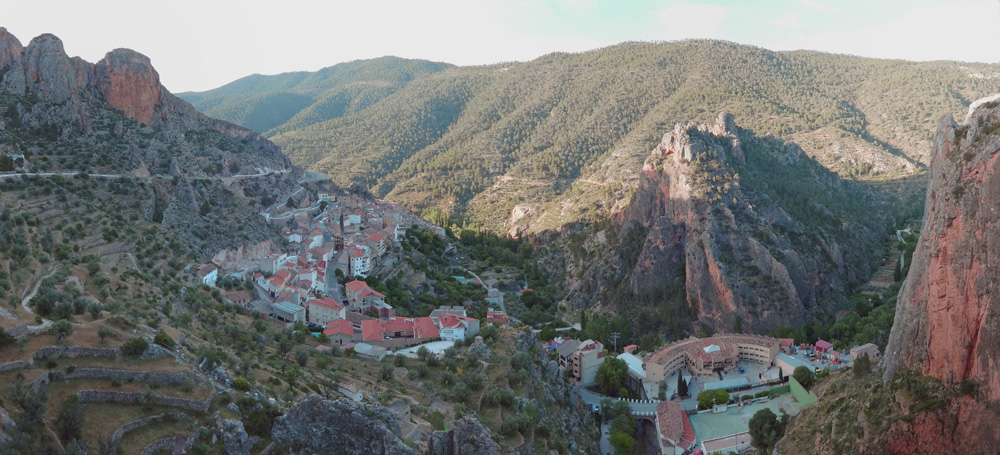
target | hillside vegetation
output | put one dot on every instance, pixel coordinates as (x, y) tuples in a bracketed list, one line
[(565, 135), (290, 101)]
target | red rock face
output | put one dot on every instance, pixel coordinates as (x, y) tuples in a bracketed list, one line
[(948, 313), (10, 48), (129, 83)]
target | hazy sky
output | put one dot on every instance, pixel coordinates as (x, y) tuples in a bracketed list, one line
[(198, 45)]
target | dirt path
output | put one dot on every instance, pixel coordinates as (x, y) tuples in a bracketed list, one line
[(24, 302)]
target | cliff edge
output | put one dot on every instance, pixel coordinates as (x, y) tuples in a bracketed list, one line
[(947, 321)]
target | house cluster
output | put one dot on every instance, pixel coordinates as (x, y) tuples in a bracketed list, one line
[(351, 234), (581, 358)]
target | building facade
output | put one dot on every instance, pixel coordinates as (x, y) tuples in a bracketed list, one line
[(706, 356)]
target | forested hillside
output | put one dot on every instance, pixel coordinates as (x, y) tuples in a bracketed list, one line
[(289, 101), (565, 135)]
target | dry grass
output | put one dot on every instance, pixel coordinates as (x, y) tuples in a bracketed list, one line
[(134, 441)]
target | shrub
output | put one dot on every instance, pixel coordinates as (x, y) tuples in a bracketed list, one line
[(241, 384), (134, 347), (164, 340)]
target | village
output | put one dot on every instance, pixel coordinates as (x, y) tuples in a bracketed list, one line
[(343, 243)]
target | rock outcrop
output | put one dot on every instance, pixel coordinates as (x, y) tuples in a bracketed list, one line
[(128, 81), (948, 314), (124, 79), (316, 425), (759, 234), (466, 437)]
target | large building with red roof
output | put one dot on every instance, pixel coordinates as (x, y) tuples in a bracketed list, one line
[(414, 329), (706, 356), (363, 299)]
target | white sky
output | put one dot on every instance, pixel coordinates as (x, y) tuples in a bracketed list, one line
[(199, 45)]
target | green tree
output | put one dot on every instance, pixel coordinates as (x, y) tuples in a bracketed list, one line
[(611, 375), (69, 424), (622, 442), (765, 430), (6, 163), (622, 430), (862, 366), (61, 329), (649, 342), (134, 347), (804, 375), (682, 387), (104, 332), (709, 398)]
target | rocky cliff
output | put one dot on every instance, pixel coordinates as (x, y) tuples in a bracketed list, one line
[(316, 425), (757, 232), (948, 320), (49, 87)]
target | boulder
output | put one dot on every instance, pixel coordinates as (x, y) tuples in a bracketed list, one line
[(234, 437)]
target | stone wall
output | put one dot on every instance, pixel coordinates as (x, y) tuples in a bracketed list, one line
[(15, 365), (106, 396), (41, 381), (74, 351), (18, 331), (126, 375), (117, 435)]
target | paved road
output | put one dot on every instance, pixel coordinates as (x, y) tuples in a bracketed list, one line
[(641, 408), (606, 447), (561, 329), (158, 176)]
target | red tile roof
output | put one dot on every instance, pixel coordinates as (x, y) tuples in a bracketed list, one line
[(669, 421), (369, 291), (356, 286), (283, 273), (371, 330), (453, 320), (340, 326), (424, 328), (205, 269), (823, 344)]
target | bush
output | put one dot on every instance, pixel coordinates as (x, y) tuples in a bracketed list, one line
[(241, 384), (164, 340), (134, 347)]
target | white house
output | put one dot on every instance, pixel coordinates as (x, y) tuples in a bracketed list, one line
[(208, 273), (455, 327), (273, 262), (323, 311), (360, 262)]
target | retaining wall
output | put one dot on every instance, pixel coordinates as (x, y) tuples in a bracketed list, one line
[(15, 365), (171, 445), (118, 434), (126, 375), (74, 351), (107, 396)]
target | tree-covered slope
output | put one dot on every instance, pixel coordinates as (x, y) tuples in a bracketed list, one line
[(481, 140), (299, 99)]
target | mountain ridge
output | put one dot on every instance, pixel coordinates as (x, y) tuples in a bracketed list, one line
[(462, 139)]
